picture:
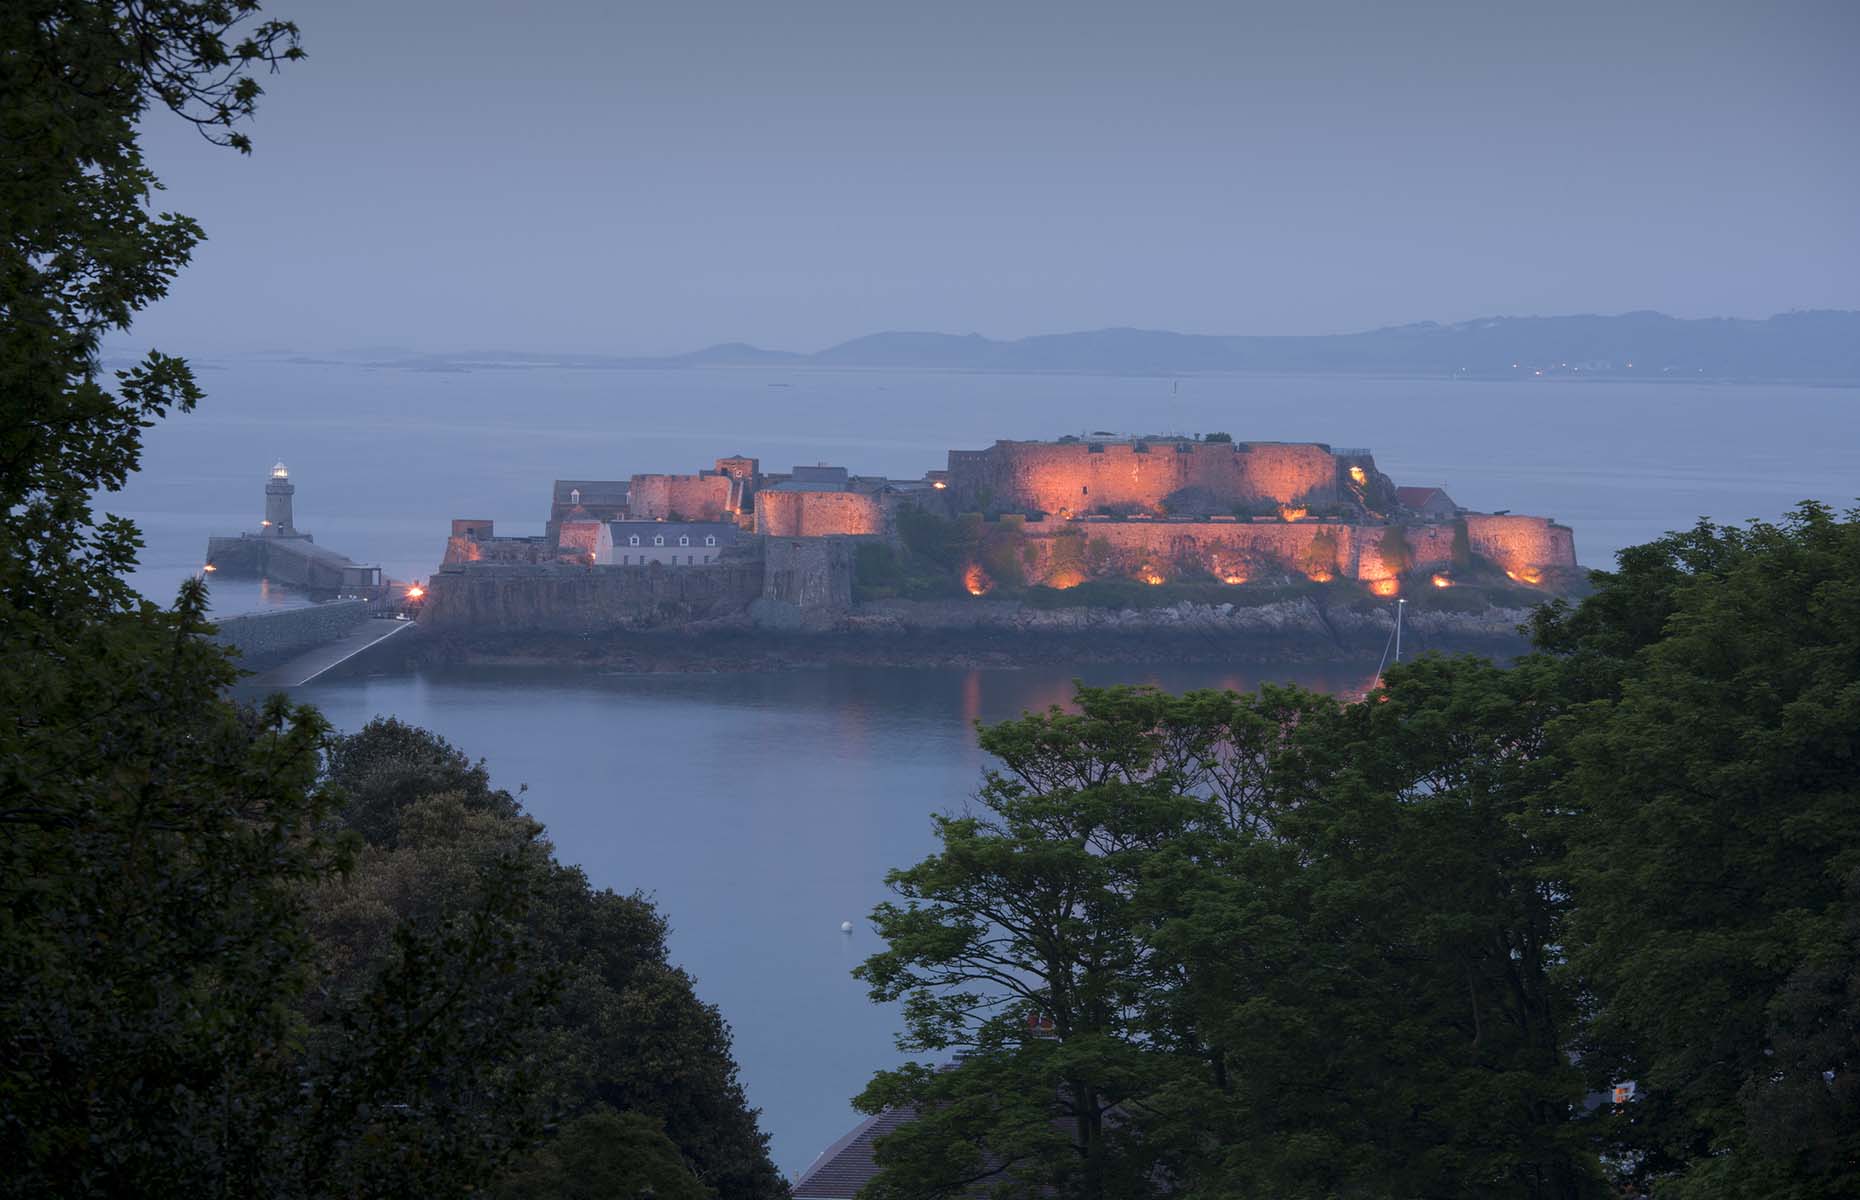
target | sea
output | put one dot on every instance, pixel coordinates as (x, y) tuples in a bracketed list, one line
[(761, 811)]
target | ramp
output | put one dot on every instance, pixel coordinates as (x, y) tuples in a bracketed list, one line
[(312, 664)]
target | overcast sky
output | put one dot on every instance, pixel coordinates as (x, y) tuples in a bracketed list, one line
[(640, 178)]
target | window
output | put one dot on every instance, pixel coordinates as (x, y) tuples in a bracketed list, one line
[(683, 540), (574, 495), (1085, 491), (658, 539), (633, 541), (710, 539)]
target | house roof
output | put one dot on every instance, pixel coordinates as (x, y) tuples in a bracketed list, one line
[(603, 492), (723, 531), (847, 1165), (1420, 497), (809, 485)]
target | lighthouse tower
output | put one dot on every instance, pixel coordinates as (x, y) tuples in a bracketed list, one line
[(278, 492)]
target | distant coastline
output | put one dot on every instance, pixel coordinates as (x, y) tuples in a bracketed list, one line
[(1819, 347)]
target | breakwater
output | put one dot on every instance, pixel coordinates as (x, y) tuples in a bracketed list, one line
[(265, 639)]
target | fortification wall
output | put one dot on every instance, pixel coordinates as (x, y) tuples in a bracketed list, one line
[(1288, 473), (1176, 551), (560, 598), (578, 540), (1520, 544), (1066, 553), (266, 638), (1430, 544), (1198, 477), (807, 582), (689, 497), (819, 514), (467, 549)]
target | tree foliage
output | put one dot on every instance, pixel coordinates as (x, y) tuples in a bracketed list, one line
[(591, 1016), (1233, 946), (228, 967)]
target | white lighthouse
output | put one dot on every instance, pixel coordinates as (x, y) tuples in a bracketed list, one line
[(278, 492)]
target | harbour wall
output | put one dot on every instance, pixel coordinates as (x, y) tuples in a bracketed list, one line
[(562, 598), (266, 638)]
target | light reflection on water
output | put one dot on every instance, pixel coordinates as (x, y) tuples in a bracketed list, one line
[(761, 810)]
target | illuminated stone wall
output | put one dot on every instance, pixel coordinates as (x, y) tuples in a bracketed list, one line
[(819, 514), (1520, 544), (690, 497), (466, 549), (1067, 552), (1064, 553), (1180, 476), (578, 540)]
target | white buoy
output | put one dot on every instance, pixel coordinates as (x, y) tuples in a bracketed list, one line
[(845, 926)]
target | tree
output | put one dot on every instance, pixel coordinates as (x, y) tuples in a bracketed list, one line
[(1715, 858), (156, 839), (583, 1012), (1025, 944), (605, 1156), (1376, 967), (84, 253)]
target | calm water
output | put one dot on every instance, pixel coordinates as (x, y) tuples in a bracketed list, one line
[(760, 810), (763, 810)]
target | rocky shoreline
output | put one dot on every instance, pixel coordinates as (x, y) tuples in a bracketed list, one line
[(993, 634)]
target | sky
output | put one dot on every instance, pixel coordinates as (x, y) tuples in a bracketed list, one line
[(612, 176)]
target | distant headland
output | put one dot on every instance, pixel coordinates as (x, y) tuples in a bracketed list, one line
[(1806, 347)]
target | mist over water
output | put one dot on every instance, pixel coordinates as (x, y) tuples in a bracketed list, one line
[(692, 788)]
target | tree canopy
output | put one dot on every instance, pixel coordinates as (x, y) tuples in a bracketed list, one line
[(240, 956), (1221, 945)]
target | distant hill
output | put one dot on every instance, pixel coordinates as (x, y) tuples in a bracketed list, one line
[(1820, 346)]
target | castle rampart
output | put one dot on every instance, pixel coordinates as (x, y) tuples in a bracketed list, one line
[(1062, 554), (783, 513), (705, 497), (1157, 475), (1521, 545)]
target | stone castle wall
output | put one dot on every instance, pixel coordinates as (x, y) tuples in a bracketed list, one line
[(819, 514), (807, 582), (464, 548), (1521, 543), (572, 599), (577, 540), (690, 497), (1180, 551), (1061, 554), (1207, 477)]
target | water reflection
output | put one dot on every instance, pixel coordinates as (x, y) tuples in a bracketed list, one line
[(761, 810)]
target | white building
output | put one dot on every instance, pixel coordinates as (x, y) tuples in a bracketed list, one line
[(674, 543)]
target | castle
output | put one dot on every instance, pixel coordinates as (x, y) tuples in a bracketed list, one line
[(1055, 514)]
